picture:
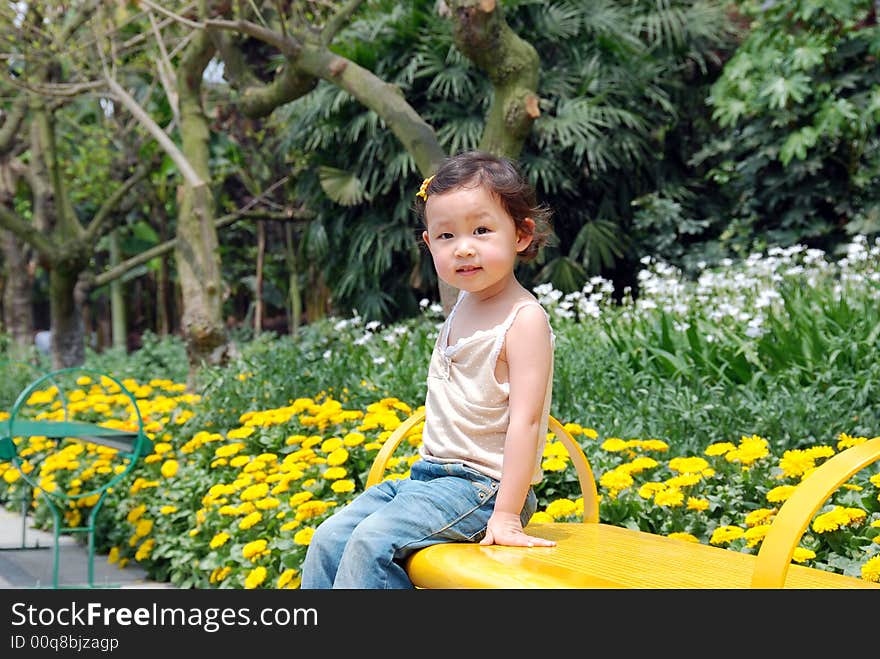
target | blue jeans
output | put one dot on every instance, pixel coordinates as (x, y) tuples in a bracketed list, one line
[(365, 544)]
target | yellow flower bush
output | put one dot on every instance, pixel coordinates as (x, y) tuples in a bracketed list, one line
[(255, 492)]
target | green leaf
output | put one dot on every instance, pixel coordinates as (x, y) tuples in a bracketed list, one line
[(780, 90), (341, 186), (797, 144)]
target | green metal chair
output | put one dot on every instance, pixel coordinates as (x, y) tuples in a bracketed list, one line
[(129, 444)]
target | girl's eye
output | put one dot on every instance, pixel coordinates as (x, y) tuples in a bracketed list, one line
[(445, 236), (481, 230)]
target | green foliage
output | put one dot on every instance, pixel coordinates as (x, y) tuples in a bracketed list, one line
[(157, 357), (797, 157), (621, 88)]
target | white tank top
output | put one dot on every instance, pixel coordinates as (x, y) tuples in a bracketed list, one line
[(467, 409)]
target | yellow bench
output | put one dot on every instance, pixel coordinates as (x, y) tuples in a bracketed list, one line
[(596, 555)]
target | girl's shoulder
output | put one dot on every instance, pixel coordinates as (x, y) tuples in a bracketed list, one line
[(527, 313)]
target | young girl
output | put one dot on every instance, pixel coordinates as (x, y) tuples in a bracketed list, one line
[(489, 388)]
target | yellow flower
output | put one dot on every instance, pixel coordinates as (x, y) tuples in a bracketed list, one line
[(239, 460), (781, 493), (802, 555), (759, 516), (144, 550), (300, 497), (540, 517), (337, 457), (648, 490), (113, 556), (725, 534), (554, 464), (614, 444), (755, 535), (219, 540), (330, 445), (135, 513), (687, 537), (334, 473), (286, 580), (698, 504), (255, 577), (167, 510), (692, 465), (228, 450), (353, 439), (254, 492), (304, 536), (143, 527), (218, 574), (871, 569), (254, 549), (671, 497), (251, 520), (342, 486), (169, 468), (837, 518), (241, 433), (846, 441)]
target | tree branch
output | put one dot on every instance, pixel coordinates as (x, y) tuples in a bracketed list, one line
[(338, 21), (10, 127), (29, 234), (244, 212), (186, 170), (170, 14), (93, 230), (386, 100)]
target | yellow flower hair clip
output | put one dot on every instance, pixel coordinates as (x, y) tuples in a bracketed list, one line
[(423, 190)]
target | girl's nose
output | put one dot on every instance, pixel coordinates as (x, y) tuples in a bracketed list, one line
[(464, 248)]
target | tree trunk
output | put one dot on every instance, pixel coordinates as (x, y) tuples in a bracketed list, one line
[(197, 250), (295, 296), (68, 348), (117, 301), (18, 292), (512, 65), (163, 284), (258, 280)]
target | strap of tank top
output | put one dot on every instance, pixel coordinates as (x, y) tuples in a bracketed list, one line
[(502, 329), (447, 324)]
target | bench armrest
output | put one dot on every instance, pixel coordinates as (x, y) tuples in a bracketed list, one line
[(581, 464), (795, 515)]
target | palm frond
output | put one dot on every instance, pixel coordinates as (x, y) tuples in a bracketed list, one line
[(341, 186)]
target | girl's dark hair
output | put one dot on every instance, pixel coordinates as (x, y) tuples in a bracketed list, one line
[(504, 179)]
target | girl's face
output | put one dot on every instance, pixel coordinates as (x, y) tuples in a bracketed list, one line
[(472, 239)]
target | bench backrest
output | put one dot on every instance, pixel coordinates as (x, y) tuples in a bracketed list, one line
[(578, 459)]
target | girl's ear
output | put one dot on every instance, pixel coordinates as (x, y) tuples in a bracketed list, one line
[(426, 239), (525, 234)]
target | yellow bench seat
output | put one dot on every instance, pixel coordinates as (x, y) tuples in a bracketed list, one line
[(602, 556), (596, 555)]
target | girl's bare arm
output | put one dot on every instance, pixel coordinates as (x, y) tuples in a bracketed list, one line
[(529, 355)]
